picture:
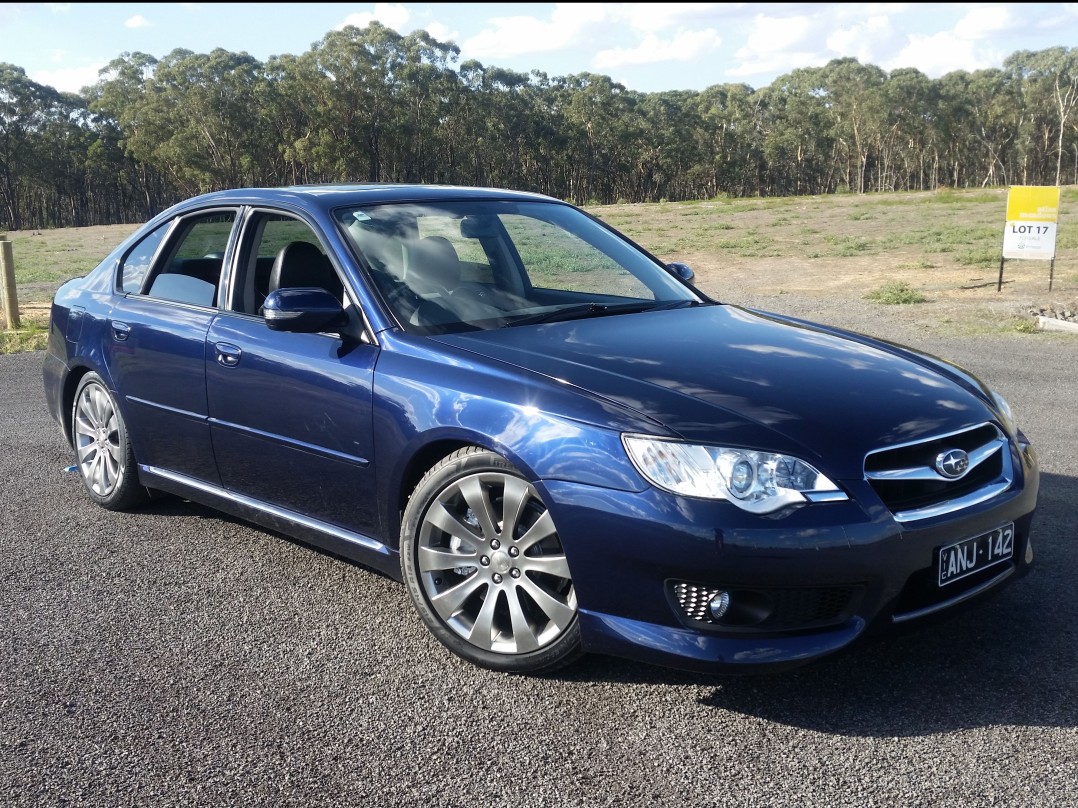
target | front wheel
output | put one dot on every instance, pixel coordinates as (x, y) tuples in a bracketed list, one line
[(106, 462), (485, 567)]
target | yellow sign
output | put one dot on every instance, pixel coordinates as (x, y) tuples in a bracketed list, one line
[(1032, 213)]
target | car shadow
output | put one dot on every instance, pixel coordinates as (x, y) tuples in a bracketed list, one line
[(172, 505), (1012, 660)]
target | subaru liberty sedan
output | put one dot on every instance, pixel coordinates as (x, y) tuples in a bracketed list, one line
[(554, 440)]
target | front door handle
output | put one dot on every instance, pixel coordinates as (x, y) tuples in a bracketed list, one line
[(120, 331), (227, 355)]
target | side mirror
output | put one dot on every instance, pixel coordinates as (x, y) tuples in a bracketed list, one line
[(303, 311), (682, 271)]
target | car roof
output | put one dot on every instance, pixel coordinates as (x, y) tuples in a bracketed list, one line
[(335, 195)]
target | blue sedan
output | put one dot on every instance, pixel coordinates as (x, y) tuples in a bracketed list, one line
[(555, 441)]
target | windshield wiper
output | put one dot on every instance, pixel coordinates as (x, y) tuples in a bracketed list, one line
[(674, 304), (583, 310), (565, 313)]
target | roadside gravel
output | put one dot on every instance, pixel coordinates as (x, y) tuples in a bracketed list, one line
[(175, 656)]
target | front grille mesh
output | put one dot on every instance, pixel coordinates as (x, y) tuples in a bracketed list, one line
[(779, 609)]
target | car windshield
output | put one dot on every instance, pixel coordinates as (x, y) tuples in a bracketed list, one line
[(445, 267)]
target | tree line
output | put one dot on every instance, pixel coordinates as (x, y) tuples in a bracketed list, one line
[(371, 104)]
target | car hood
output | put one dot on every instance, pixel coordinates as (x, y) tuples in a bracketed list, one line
[(725, 375)]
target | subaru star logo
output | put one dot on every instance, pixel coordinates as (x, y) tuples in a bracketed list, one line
[(952, 464)]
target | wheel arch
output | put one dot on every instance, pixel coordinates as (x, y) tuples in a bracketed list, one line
[(67, 399), (423, 458)]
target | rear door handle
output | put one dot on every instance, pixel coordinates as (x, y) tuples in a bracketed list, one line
[(120, 331), (227, 355)]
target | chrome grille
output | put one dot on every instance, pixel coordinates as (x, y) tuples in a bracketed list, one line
[(908, 480)]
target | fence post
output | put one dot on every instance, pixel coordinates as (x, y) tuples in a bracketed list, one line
[(8, 297)]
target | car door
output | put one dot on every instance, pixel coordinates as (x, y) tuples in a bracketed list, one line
[(155, 342), (291, 413)]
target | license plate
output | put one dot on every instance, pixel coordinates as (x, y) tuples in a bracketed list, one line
[(973, 555)]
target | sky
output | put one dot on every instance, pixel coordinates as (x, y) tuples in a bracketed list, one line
[(645, 46)]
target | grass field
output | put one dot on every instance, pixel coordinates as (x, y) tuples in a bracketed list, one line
[(834, 253)]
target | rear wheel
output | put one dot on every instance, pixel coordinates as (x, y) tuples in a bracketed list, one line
[(106, 462), (485, 567)]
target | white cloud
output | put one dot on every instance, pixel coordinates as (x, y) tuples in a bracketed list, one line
[(979, 40), (442, 32), (58, 8), (69, 79), (778, 45), (983, 21), (942, 53), (777, 64), (775, 35), (682, 47), (866, 39), (391, 15), (649, 17), (512, 36), (138, 21)]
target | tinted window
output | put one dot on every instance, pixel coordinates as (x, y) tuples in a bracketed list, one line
[(191, 272), (277, 241)]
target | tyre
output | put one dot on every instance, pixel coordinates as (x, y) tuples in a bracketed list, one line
[(485, 568), (105, 461)]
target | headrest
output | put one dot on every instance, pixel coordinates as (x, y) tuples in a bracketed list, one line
[(301, 264), (433, 266)]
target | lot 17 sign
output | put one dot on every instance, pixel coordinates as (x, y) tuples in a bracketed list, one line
[(1032, 213)]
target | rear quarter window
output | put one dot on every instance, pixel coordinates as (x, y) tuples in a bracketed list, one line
[(136, 266)]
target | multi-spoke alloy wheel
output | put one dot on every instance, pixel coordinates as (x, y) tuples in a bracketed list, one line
[(485, 566), (105, 460)]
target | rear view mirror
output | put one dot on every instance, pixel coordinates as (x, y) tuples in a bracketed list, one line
[(478, 226)]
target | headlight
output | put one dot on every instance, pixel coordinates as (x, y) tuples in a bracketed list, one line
[(757, 482), (1006, 415)]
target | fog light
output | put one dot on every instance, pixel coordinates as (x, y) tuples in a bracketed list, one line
[(1029, 552), (719, 605)]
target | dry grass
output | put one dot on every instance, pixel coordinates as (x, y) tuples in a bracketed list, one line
[(820, 251), (834, 251)]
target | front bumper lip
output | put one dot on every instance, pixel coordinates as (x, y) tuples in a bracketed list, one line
[(686, 649)]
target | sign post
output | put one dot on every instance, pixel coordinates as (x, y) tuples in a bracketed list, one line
[(1030, 231)]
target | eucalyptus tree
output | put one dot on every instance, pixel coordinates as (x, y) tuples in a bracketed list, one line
[(193, 116), (24, 112), (122, 153), (353, 82), (910, 99), (1050, 78), (799, 145), (665, 153), (733, 116), (600, 115), (858, 115)]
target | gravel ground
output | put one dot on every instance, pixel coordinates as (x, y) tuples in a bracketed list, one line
[(178, 657)]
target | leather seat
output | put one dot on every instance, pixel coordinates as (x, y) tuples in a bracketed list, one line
[(433, 267), (300, 264)]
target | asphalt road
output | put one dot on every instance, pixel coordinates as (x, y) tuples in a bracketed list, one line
[(177, 657)]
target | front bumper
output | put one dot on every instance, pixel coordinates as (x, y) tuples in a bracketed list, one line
[(629, 551)]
